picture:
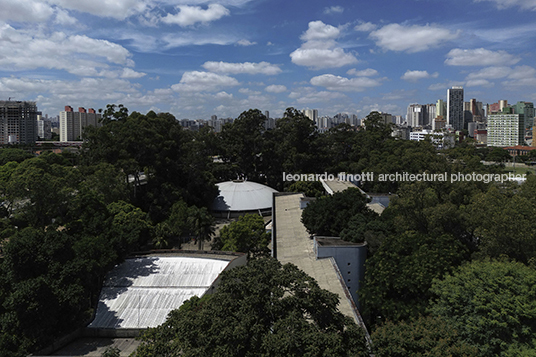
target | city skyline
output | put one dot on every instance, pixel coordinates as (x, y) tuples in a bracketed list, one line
[(196, 59)]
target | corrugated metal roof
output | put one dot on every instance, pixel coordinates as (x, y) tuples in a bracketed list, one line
[(141, 292), (243, 196)]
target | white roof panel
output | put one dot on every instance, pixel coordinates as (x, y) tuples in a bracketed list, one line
[(141, 292), (243, 196)]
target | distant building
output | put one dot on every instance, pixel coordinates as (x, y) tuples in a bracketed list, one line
[(18, 122), (455, 115), (72, 123), (311, 114), (527, 109), (44, 128), (506, 129)]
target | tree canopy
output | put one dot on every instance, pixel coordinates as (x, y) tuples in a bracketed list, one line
[(264, 308)]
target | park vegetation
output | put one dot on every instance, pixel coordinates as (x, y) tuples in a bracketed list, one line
[(450, 270)]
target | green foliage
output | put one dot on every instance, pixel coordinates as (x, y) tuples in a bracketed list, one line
[(157, 146), (400, 274), (13, 155), (111, 352), (263, 308), (201, 224), (491, 304), (329, 215), (420, 337), (498, 155), (503, 221), (247, 235), (308, 188)]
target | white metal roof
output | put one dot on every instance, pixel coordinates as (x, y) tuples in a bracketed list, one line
[(243, 196), (141, 292)]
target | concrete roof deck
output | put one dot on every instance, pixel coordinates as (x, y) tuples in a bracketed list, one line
[(293, 245)]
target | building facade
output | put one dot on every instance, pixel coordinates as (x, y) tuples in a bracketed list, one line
[(506, 129), (72, 123), (18, 122), (455, 114)]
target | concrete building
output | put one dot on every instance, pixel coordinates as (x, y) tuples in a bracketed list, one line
[(441, 108), (455, 115), (44, 128), (527, 109), (415, 115), (18, 122), (239, 197), (72, 123), (311, 114), (506, 130), (292, 244)]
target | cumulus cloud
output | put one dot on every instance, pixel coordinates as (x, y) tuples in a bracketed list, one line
[(246, 67), (276, 88), (369, 72), (411, 39), (196, 81), (320, 50), (190, 15), (479, 57), (334, 10), (523, 4), (309, 95), (414, 76), (25, 11), (338, 83), (77, 54)]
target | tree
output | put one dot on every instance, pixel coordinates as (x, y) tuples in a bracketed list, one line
[(247, 235), (329, 215), (491, 304), (263, 308), (423, 336), (400, 274), (309, 188), (201, 224)]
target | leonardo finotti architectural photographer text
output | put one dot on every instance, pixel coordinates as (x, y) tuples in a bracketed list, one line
[(405, 177)]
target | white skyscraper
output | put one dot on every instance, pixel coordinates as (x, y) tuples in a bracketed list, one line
[(72, 123)]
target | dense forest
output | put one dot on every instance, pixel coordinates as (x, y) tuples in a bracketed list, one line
[(450, 266)]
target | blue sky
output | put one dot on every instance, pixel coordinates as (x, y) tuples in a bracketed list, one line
[(195, 59)]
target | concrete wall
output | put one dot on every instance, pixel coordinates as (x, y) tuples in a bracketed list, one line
[(351, 262)]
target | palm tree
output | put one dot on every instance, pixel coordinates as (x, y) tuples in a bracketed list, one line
[(201, 224)]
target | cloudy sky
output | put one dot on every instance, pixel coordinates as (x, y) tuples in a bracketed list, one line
[(196, 58)]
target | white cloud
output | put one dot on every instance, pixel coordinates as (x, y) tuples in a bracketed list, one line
[(415, 38), (190, 15), (197, 81), (276, 88), (25, 11), (414, 76), (246, 67), (365, 27), (77, 54), (129, 73), (320, 50), (245, 42), (479, 83), (338, 83), (479, 57), (248, 91), (317, 58), (117, 9), (369, 72), (490, 73), (334, 10), (198, 39), (503, 4), (319, 31)]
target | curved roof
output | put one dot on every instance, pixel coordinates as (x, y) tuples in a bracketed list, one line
[(243, 196)]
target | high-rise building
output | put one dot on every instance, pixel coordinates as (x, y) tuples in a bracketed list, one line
[(455, 117), (18, 122), (527, 109), (506, 129), (44, 128), (415, 115), (441, 108), (72, 123), (311, 114)]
